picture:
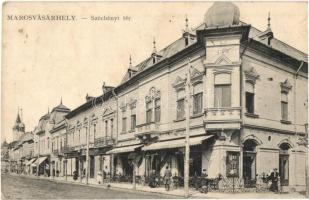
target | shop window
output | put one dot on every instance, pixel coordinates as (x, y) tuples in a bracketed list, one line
[(232, 164), (157, 110), (181, 104)]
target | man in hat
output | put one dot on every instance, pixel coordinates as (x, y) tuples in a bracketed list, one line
[(274, 177)]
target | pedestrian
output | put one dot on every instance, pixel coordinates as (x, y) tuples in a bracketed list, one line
[(204, 176), (152, 179), (99, 177), (167, 178), (274, 177)]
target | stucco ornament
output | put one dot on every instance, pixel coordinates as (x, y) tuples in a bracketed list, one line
[(222, 14)]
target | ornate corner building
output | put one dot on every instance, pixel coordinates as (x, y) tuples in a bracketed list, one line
[(248, 109)]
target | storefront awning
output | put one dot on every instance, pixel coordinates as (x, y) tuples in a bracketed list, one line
[(30, 161), (124, 149), (41, 159), (175, 143)]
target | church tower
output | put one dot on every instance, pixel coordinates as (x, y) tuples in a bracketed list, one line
[(18, 128)]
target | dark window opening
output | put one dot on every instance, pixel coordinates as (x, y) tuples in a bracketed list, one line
[(250, 102), (133, 122), (181, 109), (197, 103)]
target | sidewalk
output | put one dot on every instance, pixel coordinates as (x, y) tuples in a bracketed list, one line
[(175, 192)]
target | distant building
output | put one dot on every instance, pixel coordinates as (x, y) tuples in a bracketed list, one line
[(44, 141)]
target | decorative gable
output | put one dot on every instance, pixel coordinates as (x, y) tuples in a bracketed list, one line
[(196, 76), (223, 60), (108, 111), (286, 86)]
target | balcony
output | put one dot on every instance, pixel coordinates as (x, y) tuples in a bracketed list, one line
[(151, 128), (68, 149), (222, 118), (103, 141)]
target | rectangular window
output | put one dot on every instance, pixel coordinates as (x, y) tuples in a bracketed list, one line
[(284, 106), (197, 103), (106, 128), (232, 164), (133, 122), (124, 124), (112, 126), (222, 96), (250, 102), (94, 131), (157, 110), (181, 109), (149, 112)]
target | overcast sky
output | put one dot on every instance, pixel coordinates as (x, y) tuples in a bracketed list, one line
[(43, 61)]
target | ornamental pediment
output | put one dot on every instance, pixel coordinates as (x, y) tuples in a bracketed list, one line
[(223, 60), (153, 94), (179, 82), (286, 86), (251, 75), (196, 76), (108, 111)]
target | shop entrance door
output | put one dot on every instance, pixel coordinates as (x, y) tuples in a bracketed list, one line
[(195, 163), (284, 163), (91, 166), (249, 169)]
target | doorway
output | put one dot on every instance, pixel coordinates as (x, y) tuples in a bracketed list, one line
[(91, 166), (249, 163), (284, 163)]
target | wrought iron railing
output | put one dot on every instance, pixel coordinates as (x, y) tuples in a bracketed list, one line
[(68, 149)]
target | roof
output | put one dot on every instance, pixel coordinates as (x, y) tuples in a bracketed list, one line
[(179, 45), (61, 108)]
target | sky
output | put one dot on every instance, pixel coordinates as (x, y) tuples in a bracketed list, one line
[(43, 61)]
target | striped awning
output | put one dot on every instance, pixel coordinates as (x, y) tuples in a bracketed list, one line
[(40, 160), (176, 143), (124, 149), (30, 161)]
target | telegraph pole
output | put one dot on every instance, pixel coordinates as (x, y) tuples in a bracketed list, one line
[(87, 151), (37, 165), (187, 147)]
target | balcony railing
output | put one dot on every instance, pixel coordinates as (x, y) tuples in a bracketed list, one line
[(68, 149), (147, 128), (222, 117), (103, 141)]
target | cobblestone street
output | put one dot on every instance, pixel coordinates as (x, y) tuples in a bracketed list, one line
[(15, 187)]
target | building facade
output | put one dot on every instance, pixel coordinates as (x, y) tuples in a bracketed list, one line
[(44, 140), (95, 121), (240, 92), (247, 97)]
